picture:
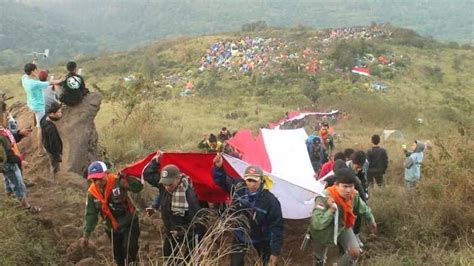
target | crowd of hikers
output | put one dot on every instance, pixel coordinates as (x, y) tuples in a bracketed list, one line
[(336, 218)]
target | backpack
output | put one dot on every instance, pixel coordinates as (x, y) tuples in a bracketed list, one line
[(73, 88), (3, 153)]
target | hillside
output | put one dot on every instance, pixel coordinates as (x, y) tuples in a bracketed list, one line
[(429, 96), (77, 27), (25, 29)]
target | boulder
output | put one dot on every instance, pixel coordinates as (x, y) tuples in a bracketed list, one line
[(79, 134)]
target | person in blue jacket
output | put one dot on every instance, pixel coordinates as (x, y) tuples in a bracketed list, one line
[(260, 207)]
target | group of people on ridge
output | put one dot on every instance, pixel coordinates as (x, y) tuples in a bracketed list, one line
[(44, 100)]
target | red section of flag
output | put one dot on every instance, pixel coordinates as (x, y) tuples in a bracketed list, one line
[(136, 168), (198, 166), (253, 151)]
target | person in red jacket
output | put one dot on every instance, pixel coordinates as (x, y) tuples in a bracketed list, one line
[(329, 165)]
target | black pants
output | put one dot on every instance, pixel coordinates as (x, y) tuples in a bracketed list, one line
[(239, 249), (126, 243), (55, 160), (378, 179), (177, 248)]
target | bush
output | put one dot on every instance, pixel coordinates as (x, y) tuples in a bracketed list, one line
[(433, 224), (24, 241)]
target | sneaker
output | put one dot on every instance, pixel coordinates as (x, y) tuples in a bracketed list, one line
[(361, 245)]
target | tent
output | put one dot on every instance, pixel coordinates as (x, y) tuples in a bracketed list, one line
[(392, 135)]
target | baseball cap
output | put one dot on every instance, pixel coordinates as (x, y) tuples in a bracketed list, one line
[(253, 172), (43, 75), (169, 174), (96, 170)]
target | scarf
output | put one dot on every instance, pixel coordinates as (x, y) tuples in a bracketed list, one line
[(346, 205), (324, 135), (95, 191), (179, 204)]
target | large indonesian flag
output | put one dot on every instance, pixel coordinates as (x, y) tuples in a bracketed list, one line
[(282, 155)]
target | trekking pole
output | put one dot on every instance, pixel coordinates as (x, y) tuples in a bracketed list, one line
[(112, 238), (129, 233), (305, 242), (336, 223)]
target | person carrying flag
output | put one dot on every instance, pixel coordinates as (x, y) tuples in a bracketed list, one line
[(261, 209), (178, 204)]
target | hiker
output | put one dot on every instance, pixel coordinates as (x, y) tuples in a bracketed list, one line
[(224, 135), (107, 195), (74, 87), (252, 199), (179, 205), (317, 153), (50, 136), (360, 165), (412, 164), (326, 138), (343, 199), (50, 93), (329, 165), (11, 164), (210, 144), (348, 153), (34, 97), (378, 163)]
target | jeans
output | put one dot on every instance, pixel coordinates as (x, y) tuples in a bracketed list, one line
[(347, 240), (13, 181)]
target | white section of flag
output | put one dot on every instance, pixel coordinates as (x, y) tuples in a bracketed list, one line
[(293, 177)]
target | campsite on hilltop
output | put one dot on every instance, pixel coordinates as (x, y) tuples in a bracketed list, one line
[(361, 80)]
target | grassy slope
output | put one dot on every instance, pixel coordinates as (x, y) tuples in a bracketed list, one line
[(178, 123)]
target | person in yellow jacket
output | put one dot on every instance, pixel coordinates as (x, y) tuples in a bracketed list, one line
[(107, 196)]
